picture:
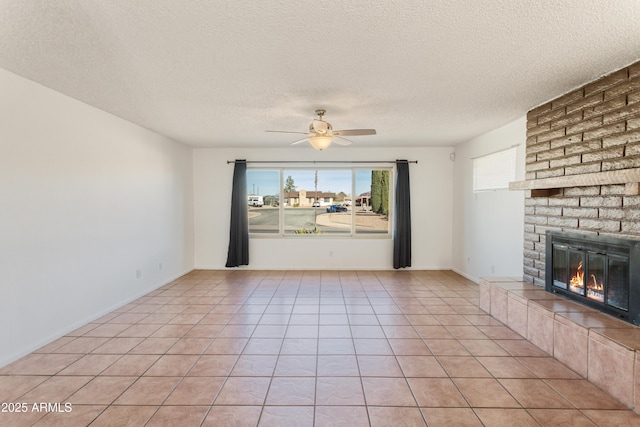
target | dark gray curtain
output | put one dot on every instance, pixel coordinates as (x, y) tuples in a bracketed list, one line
[(402, 226), (239, 231)]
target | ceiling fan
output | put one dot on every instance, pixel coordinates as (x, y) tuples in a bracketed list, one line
[(321, 133)]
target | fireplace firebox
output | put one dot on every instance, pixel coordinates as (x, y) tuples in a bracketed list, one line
[(597, 271)]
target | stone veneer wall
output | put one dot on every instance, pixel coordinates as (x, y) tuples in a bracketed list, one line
[(592, 129)]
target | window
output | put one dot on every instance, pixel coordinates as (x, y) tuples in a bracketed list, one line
[(265, 185), (494, 171), (372, 201), (319, 202)]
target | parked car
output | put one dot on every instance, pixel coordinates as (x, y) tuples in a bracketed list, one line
[(316, 204), (256, 201), (336, 208)]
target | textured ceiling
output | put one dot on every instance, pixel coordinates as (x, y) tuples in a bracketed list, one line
[(219, 73)]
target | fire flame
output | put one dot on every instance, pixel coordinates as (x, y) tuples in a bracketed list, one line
[(578, 279), (595, 285), (595, 290)]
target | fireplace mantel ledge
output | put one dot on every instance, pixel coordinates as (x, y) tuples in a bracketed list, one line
[(546, 187)]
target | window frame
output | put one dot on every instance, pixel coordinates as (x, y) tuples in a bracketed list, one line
[(353, 233)]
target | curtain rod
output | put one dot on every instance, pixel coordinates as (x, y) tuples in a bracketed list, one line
[(321, 161)]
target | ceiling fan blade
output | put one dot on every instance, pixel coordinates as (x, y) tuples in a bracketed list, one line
[(299, 141), (354, 132), (341, 141), (286, 131)]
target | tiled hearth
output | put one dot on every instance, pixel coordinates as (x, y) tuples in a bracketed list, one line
[(599, 347)]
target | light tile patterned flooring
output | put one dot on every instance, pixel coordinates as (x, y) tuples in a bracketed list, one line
[(289, 348)]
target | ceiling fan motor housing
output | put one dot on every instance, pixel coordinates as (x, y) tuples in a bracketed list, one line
[(320, 127)]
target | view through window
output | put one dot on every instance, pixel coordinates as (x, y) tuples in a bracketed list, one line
[(319, 202)]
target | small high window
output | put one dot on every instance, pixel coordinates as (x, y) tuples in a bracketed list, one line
[(494, 171)]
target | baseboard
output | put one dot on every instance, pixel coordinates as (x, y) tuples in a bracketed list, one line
[(465, 275), (316, 268)]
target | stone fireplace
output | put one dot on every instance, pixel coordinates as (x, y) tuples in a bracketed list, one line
[(582, 185), (583, 166)]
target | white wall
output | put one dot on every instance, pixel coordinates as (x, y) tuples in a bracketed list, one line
[(431, 206), (86, 200), (488, 227)]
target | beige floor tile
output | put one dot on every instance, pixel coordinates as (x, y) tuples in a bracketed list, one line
[(213, 365), (381, 416), (14, 386), (296, 366), (483, 347), (409, 347), (463, 366), (292, 391), (79, 415), (337, 365), (263, 346), (437, 393), (341, 416), (243, 391), (534, 393), (485, 393), (148, 391), (131, 365), (447, 417), (55, 389), (124, 416), (421, 366), (195, 391), (40, 364), (387, 392), (548, 367), (335, 346), (233, 416), (584, 395), (506, 417), (190, 345), (379, 366), (255, 365), (91, 364), (505, 367), (227, 346), (118, 345), (101, 390), (287, 416), (172, 365), (374, 346), (560, 417), (299, 346), (20, 419), (154, 346), (446, 347), (339, 391), (520, 347)]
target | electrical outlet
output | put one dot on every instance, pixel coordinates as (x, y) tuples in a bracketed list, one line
[(138, 274), (160, 266)]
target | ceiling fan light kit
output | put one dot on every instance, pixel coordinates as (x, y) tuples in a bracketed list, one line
[(321, 133), (320, 142)]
